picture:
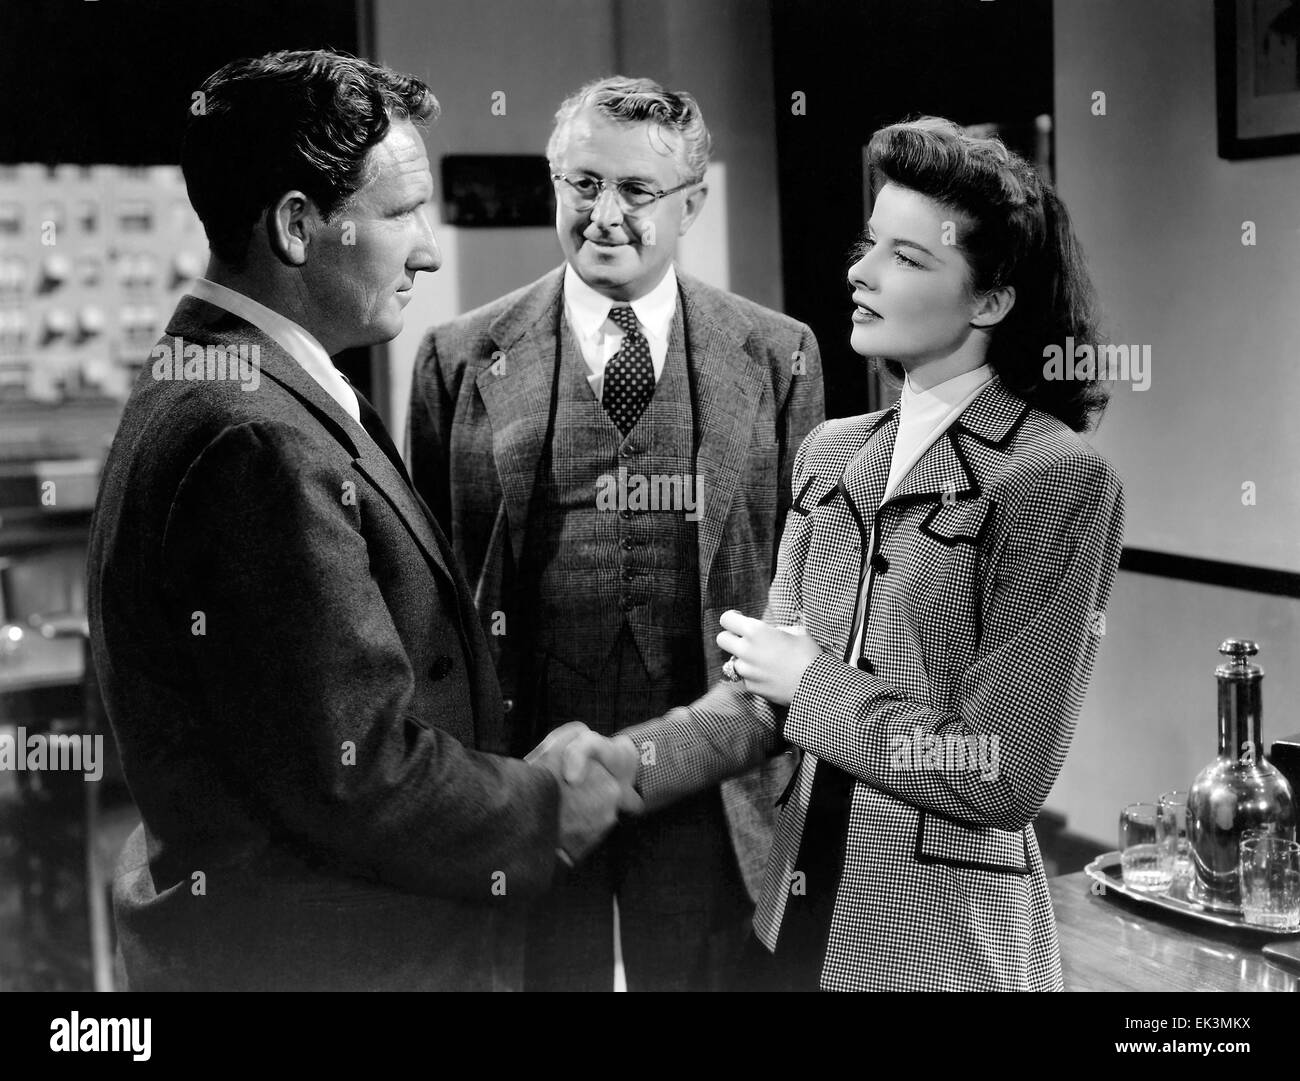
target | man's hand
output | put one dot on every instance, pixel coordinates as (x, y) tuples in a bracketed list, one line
[(592, 796), (770, 660), (548, 752), (618, 756)]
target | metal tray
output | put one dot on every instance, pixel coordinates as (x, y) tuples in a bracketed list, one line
[(1106, 870)]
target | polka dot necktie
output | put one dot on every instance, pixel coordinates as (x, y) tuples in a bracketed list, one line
[(629, 375)]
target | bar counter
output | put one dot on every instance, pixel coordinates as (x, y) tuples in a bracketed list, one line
[(1112, 943)]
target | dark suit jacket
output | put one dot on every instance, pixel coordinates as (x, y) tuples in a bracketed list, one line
[(479, 411), (303, 701)]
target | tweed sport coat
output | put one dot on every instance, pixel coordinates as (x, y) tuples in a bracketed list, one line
[(996, 556), (315, 747), (479, 413)]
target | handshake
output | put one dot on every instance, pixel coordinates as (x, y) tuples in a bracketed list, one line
[(596, 775)]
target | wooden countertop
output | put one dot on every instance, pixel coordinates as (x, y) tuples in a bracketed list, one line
[(1111, 943)]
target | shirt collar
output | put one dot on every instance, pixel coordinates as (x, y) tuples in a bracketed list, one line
[(942, 396), (588, 309), (294, 339)]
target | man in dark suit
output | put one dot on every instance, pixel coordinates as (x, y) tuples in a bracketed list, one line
[(307, 713), (610, 450)]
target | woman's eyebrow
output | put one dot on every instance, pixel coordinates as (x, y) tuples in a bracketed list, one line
[(904, 242)]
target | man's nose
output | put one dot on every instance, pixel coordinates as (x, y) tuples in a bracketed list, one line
[(606, 212), (427, 255)]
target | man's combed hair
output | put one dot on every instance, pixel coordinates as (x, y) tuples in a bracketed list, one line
[(636, 101), (1013, 231), (303, 120)]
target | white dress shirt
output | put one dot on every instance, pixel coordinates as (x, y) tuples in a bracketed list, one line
[(587, 313), (923, 416), (295, 341)]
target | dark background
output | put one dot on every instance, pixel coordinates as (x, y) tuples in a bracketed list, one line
[(98, 81), (86, 82), (880, 61)]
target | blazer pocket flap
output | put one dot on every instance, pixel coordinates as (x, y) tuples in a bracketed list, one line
[(961, 522), (816, 492), (981, 848)]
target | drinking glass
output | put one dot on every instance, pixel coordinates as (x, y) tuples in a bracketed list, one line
[(1177, 851), (1142, 833), (1270, 881)]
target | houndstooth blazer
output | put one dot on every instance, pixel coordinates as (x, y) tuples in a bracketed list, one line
[(995, 558)]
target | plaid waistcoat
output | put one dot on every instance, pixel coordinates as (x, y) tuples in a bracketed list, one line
[(615, 542)]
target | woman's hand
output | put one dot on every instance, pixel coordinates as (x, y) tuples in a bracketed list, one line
[(771, 660)]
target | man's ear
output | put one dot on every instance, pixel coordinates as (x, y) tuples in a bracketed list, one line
[(992, 307), (290, 222), (694, 204)]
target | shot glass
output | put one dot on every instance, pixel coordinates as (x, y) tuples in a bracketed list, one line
[(1270, 881), (1143, 861), (1177, 851)]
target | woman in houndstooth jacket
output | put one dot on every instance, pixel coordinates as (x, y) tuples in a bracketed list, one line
[(937, 604)]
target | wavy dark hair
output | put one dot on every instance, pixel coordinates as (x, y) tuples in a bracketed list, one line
[(302, 120), (1013, 231)]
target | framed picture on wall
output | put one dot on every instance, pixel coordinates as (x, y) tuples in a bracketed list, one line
[(497, 190), (1257, 57)]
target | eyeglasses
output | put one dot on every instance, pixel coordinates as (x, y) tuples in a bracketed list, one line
[(581, 192)]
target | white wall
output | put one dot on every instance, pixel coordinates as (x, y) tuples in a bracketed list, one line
[(1160, 217)]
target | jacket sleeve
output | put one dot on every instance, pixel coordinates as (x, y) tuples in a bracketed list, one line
[(727, 731), (1042, 611), (308, 686), (428, 431)]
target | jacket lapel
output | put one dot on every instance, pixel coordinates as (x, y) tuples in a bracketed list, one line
[(942, 472), (374, 465), (864, 479), (728, 384), (198, 320), (952, 466), (516, 390)]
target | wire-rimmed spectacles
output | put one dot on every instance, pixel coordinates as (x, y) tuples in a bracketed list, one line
[(581, 192)]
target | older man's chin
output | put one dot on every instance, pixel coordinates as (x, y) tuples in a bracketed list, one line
[(610, 268)]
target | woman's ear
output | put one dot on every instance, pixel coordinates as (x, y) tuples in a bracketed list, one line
[(992, 307)]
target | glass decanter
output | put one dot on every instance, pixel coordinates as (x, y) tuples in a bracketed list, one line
[(1240, 790)]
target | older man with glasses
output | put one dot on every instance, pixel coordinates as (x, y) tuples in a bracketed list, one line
[(610, 450)]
